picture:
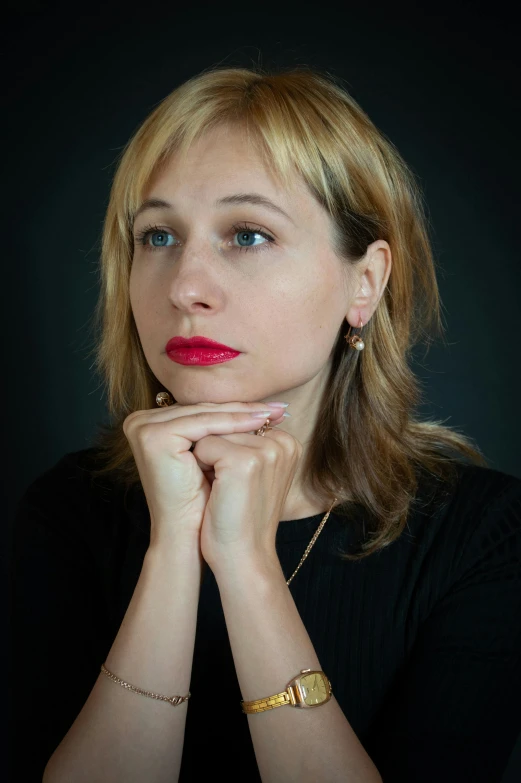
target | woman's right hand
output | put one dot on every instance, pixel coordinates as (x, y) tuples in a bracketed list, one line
[(174, 482)]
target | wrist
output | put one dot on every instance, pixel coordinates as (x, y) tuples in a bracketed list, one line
[(183, 553), (165, 539), (241, 571)]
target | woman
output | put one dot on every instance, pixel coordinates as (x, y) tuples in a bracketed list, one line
[(266, 212)]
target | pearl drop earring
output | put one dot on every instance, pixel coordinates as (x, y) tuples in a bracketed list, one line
[(355, 341)]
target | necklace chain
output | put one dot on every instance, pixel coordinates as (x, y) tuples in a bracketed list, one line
[(308, 548)]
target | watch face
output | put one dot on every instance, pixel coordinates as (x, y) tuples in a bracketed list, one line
[(314, 688)]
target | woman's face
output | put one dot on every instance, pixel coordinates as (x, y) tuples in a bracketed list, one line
[(208, 271)]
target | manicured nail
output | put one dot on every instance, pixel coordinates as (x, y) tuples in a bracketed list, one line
[(277, 404)]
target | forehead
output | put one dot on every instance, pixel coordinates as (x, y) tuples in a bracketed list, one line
[(222, 162)]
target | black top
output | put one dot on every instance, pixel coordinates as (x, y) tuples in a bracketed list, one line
[(421, 642)]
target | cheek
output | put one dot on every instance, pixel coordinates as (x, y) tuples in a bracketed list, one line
[(303, 325), (142, 308), (300, 340), (141, 292), (133, 288), (308, 317)]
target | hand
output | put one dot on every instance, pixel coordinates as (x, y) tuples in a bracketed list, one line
[(175, 486), (252, 479)]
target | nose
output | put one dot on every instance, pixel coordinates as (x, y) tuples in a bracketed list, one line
[(195, 282)]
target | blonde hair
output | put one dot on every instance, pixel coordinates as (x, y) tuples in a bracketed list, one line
[(368, 444)]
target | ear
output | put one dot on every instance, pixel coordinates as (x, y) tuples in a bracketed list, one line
[(371, 274)]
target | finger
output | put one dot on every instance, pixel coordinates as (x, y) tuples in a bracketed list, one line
[(235, 438), (176, 410), (184, 430), (251, 439), (212, 448)]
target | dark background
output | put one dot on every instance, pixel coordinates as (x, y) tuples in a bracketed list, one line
[(441, 83)]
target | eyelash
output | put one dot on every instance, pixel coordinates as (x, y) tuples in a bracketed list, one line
[(141, 237)]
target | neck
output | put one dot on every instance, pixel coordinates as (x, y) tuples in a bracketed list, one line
[(301, 506)]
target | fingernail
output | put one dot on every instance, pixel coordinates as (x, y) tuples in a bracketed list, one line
[(277, 404)]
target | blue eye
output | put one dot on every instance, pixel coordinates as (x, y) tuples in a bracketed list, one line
[(244, 231), (162, 237)]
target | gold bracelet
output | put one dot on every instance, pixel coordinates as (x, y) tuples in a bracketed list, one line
[(173, 700)]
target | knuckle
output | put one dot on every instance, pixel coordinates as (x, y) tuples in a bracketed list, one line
[(288, 442), (251, 464), (145, 434), (128, 421), (271, 453)]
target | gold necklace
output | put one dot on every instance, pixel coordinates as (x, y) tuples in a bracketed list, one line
[(308, 549)]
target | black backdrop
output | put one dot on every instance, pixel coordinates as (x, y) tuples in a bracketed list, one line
[(442, 83)]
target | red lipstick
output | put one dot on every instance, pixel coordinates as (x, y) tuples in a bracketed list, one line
[(198, 351)]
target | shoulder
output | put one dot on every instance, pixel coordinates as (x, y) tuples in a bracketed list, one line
[(70, 477), (473, 490), (68, 481), (489, 495), (471, 518), (486, 488), (73, 466), (66, 501)]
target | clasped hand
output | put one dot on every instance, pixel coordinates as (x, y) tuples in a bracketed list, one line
[(252, 476)]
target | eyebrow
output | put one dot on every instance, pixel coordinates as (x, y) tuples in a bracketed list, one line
[(237, 198)]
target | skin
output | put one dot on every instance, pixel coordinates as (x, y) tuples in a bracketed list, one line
[(281, 306)]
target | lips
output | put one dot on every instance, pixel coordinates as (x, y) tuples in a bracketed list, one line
[(196, 342)]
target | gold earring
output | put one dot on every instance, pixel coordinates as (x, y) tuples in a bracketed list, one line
[(164, 399), (355, 341)]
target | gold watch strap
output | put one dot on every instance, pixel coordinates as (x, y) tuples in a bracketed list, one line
[(267, 703), (292, 695)]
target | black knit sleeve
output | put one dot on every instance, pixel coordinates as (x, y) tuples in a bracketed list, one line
[(57, 628), (454, 713)]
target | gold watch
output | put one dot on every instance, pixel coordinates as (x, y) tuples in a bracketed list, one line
[(307, 689)]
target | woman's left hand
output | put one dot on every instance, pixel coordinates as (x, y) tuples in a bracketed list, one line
[(253, 476)]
